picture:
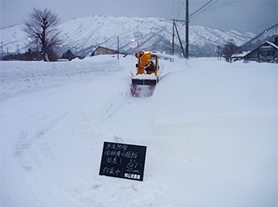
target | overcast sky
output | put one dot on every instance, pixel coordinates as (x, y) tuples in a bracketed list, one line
[(243, 15)]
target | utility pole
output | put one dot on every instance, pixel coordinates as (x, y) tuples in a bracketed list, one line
[(187, 30), (179, 38), (2, 51), (186, 52), (118, 47), (175, 27), (173, 38)]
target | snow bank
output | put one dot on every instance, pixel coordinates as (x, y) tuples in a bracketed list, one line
[(21, 76), (217, 90), (222, 121)]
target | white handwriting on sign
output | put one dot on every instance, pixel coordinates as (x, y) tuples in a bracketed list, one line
[(111, 171), (116, 146), (118, 153), (114, 160), (131, 166)]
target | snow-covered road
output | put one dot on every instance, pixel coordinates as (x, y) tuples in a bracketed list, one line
[(30, 142), (210, 130)]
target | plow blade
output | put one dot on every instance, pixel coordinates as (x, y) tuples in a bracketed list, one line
[(142, 90), (143, 87), (151, 82)]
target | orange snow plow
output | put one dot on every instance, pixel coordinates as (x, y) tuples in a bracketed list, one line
[(144, 81)]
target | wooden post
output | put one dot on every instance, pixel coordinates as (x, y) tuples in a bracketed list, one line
[(187, 30), (173, 38)]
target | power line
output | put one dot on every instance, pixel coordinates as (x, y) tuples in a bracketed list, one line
[(171, 14), (206, 7), (180, 7), (209, 8), (223, 5), (203, 8)]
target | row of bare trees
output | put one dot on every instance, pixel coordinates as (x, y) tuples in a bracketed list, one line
[(41, 28)]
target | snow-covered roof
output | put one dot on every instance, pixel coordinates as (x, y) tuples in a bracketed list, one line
[(267, 42), (241, 54), (272, 44)]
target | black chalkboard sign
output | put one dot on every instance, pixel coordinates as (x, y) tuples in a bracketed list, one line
[(123, 161)]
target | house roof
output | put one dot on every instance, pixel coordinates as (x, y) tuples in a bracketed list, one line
[(267, 42), (272, 44), (92, 54), (104, 48), (241, 55)]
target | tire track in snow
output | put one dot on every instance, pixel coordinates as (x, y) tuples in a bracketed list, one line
[(23, 147), (121, 94)]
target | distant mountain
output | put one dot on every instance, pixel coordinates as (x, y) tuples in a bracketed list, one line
[(267, 35), (83, 35)]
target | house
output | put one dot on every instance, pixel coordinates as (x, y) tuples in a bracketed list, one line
[(103, 50), (267, 52), (240, 56)]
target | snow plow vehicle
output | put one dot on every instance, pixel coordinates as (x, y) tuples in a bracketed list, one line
[(144, 81)]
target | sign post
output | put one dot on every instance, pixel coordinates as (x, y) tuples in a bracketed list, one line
[(123, 161)]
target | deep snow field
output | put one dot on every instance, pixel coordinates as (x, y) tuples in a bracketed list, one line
[(210, 128)]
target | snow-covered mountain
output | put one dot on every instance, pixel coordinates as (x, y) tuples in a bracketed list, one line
[(267, 35), (83, 35)]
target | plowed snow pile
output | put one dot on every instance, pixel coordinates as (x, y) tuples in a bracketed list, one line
[(210, 128)]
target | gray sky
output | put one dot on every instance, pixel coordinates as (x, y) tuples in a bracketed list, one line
[(243, 15)]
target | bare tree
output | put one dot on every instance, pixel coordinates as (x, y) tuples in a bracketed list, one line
[(41, 27), (229, 49)]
